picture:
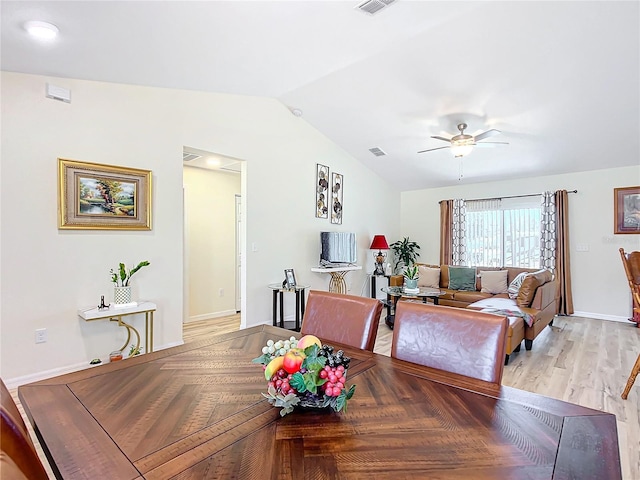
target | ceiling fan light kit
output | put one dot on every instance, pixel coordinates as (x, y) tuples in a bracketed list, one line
[(461, 149), (462, 144)]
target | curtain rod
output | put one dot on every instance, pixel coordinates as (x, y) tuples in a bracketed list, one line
[(510, 196)]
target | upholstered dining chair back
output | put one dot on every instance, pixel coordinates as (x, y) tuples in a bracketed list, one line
[(18, 457), (346, 319), (456, 340)]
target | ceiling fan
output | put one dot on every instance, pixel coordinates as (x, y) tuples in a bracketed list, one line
[(462, 144)]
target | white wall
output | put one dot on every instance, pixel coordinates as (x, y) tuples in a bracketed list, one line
[(211, 241), (47, 274), (599, 283)]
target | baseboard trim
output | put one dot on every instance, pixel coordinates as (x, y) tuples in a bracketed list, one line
[(600, 316), (209, 316), (54, 372)]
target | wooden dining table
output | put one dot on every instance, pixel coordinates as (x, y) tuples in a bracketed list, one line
[(196, 412)]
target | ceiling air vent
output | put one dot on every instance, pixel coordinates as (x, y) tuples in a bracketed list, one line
[(378, 152), (373, 6), (187, 157)]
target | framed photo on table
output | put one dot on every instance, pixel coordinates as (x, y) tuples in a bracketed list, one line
[(92, 196), (626, 206), (289, 278)]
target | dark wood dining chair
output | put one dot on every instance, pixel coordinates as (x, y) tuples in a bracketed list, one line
[(456, 340), (631, 263), (346, 319), (18, 457)]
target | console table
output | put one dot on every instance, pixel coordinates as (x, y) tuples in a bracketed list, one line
[(278, 292), (337, 283), (116, 314)]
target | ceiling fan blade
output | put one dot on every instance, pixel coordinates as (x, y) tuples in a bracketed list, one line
[(490, 144), (441, 138), (488, 133), (432, 149)]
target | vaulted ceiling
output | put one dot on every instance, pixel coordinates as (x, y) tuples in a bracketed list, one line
[(561, 80)]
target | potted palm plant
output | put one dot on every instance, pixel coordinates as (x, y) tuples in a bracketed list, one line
[(406, 253)]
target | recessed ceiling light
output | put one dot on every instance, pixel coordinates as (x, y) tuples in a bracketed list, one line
[(41, 30), (213, 162)]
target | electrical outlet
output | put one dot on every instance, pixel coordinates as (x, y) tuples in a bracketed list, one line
[(221, 292), (41, 335)]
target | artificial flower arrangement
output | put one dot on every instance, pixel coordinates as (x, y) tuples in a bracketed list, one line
[(304, 373)]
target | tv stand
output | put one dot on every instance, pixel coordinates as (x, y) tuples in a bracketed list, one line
[(337, 283)]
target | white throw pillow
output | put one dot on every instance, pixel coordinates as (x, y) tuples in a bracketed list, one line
[(429, 277), (494, 281), (515, 285)]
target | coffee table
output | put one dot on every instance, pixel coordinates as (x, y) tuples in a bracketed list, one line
[(396, 293)]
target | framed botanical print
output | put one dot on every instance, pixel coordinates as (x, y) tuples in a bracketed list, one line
[(92, 196)]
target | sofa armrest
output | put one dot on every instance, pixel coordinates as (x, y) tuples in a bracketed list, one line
[(545, 295)]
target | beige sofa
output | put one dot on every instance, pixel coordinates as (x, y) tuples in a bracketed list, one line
[(537, 301)]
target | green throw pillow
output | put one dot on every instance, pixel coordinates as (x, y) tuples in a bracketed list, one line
[(462, 278)]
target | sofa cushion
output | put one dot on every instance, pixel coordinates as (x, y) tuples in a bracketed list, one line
[(447, 294), (428, 276), (470, 296), (529, 286), (514, 286), (493, 281), (462, 278)]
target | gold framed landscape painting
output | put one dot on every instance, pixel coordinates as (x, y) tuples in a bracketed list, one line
[(626, 208), (92, 196)]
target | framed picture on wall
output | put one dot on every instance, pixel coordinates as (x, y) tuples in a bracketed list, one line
[(337, 188), (92, 196), (626, 207), (322, 191)]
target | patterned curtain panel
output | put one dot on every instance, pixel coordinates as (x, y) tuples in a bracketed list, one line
[(548, 232), (458, 252)]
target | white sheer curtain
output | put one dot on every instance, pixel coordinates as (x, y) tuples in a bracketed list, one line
[(458, 232), (548, 231), (483, 233)]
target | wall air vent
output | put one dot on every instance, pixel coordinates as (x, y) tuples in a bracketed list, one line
[(378, 152), (371, 7), (187, 157)]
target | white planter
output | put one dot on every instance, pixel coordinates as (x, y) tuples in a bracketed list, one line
[(122, 295)]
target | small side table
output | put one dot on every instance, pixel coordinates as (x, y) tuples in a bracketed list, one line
[(373, 283), (278, 293)]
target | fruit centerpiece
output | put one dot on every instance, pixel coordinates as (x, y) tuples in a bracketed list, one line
[(304, 373)]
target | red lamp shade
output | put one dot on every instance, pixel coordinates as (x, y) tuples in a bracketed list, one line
[(379, 243)]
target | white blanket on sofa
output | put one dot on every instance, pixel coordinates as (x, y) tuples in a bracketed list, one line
[(502, 306)]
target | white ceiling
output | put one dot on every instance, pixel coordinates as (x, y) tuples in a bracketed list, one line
[(561, 80)]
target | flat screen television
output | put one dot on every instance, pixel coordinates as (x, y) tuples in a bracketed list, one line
[(337, 248)]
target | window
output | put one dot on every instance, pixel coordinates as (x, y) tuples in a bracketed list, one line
[(503, 233)]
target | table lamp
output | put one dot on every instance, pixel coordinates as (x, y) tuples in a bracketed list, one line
[(379, 243)]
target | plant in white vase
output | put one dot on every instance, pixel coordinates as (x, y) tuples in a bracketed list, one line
[(122, 281), (411, 276)]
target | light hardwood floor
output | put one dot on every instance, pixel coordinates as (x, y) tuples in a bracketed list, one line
[(579, 360)]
